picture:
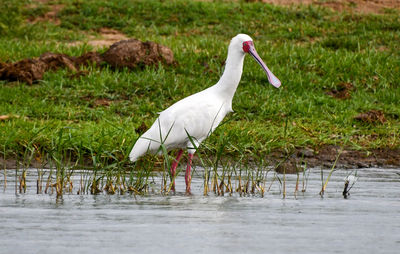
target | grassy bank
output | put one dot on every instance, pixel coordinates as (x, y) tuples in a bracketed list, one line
[(312, 50)]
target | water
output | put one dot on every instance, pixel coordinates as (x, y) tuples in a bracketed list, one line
[(367, 222)]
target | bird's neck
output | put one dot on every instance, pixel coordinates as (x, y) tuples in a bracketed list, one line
[(230, 79)]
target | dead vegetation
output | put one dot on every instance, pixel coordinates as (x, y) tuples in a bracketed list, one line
[(371, 117), (342, 91)]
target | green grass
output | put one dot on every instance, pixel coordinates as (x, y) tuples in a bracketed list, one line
[(310, 49)]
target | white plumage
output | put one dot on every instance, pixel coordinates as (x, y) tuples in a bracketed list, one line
[(199, 114)]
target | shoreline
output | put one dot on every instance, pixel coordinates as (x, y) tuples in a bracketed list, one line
[(323, 157)]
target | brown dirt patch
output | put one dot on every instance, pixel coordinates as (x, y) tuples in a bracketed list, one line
[(42, 1), (128, 53), (132, 53), (27, 70), (358, 6), (323, 157), (55, 61), (326, 155), (371, 117), (107, 38), (31, 70), (102, 102), (342, 91), (50, 16), (98, 102)]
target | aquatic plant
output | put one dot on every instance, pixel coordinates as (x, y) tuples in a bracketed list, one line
[(333, 168)]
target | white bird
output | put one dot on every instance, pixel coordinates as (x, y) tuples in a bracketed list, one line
[(188, 122)]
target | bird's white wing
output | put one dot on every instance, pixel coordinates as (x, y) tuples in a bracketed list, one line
[(197, 116)]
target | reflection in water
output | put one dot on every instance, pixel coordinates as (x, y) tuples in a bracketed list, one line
[(367, 222)]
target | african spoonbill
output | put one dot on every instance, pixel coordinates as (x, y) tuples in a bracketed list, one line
[(188, 122)]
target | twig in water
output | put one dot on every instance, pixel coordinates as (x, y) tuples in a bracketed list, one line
[(5, 168), (284, 182), (305, 178), (273, 179), (296, 189)]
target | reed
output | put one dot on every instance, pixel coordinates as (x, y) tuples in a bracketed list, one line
[(306, 174), (4, 167), (220, 177), (333, 168)]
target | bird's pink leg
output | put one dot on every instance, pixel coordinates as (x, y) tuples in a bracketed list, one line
[(188, 176), (173, 167)]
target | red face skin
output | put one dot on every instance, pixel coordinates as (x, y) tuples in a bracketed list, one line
[(248, 47)]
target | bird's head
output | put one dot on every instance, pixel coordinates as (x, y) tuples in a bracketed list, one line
[(246, 45)]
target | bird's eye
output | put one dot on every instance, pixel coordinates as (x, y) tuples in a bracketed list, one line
[(246, 46)]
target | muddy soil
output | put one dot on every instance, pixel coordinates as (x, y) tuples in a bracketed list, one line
[(130, 53), (50, 16), (342, 91), (323, 157), (372, 116), (356, 6)]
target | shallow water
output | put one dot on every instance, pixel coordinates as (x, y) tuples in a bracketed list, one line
[(367, 222)]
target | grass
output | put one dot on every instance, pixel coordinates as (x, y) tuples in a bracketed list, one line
[(311, 49)]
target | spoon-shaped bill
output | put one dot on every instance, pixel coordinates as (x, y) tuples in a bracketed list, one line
[(248, 47)]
